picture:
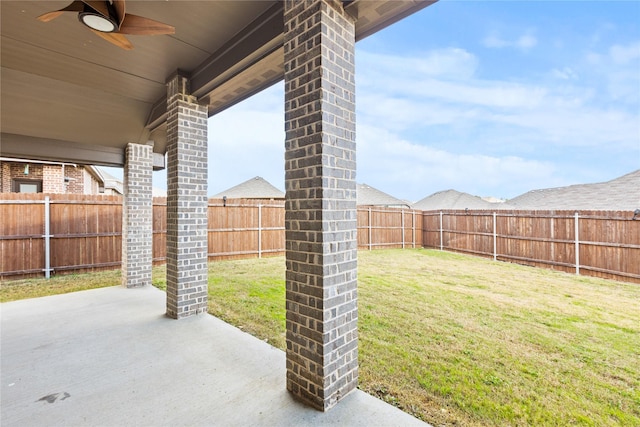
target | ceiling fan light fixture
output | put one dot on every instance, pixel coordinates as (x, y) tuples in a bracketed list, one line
[(98, 22)]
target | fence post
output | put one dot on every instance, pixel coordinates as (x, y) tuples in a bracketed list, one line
[(441, 238), (402, 222), (259, 231), (413, 229), (369, 227), (47, 237), (577, 228), (495, 237)]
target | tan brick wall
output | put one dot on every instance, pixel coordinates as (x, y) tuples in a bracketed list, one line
[(52, 179), (75, 176), (5, 177)]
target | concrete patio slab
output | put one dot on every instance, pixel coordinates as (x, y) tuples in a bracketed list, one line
[(110, 357)]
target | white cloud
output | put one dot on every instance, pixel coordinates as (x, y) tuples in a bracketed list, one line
[(393, 76), (493, 40), (524, 42), (565, 73), (247, 140), (258, 123), (412, 171), (617, 69), (448, 62), (565, 114), (623, 55)]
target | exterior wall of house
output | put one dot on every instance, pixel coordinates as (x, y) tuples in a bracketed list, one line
[(52, 178), (16, 171), (75, 179), (5, 177), (91, 186)]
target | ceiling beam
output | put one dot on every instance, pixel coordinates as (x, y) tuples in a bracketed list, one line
[(263, 38), (255, 42), (30, 147)]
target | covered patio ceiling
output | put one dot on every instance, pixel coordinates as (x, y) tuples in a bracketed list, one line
[(68, 95)]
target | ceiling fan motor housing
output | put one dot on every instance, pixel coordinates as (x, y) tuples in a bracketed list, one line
[(97, 21)]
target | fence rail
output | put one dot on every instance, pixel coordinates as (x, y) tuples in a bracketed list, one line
[(86, 231), (596, 243)]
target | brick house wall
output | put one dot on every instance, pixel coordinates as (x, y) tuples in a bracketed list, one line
[(51, 177), (75, 180), (5, 177), (16, 171)]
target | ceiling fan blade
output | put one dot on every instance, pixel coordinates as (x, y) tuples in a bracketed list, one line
[(76, 6), (120, 11), (140, 26), (116, 39), (98, 6)]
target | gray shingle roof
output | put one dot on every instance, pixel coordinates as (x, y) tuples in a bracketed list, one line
[(618, 194), (452, 199), (369, 196), (254, 188)]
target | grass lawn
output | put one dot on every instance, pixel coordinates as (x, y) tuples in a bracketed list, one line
[(12, 290), (460, 340)]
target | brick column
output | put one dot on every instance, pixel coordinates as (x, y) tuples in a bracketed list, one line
[(186, 201), (320, 207), (137, 216)]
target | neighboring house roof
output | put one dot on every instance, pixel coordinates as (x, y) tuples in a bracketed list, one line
[(452, 199), (369, 196), (618, 194), (158, 192), (255, 188), (116, 185), (109, 181)]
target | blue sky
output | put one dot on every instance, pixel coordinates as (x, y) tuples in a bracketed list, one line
[(493, 98)]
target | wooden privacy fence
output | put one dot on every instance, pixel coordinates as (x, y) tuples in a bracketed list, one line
[(389, 228), (595, 243), (237, 228), (41, 234)]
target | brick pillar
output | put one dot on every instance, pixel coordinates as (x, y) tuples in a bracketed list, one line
[(186, 201), (320, 207), (137, 216)]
